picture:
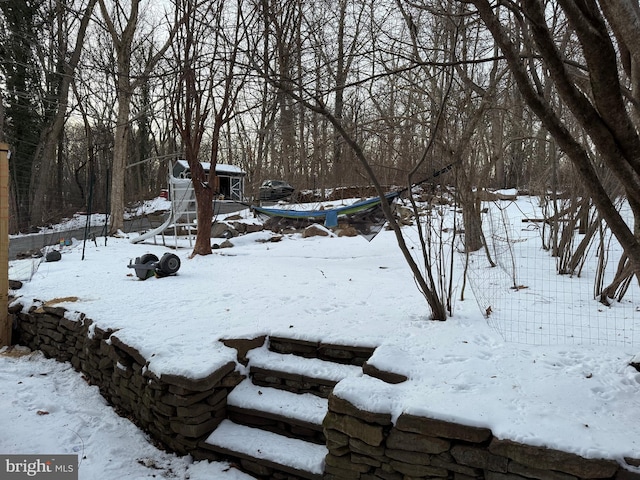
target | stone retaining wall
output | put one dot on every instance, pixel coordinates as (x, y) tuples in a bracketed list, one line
[(368, 446), (178, 412)]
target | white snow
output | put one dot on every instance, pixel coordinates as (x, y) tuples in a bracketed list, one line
[(305, 407), (573, 393), (310, 367), (81, 219), (47, 407), (297, 454)]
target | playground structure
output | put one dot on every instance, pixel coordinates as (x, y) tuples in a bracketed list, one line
[(182, 215)]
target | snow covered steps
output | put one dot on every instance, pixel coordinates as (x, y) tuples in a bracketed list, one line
[(297, 374), (260, 452), (278, 411), (274, 418), (348, 354)]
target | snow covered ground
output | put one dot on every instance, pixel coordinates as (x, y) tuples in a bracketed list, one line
[(545, 368), (47, 408)]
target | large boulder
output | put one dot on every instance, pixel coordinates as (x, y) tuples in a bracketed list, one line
[(316, 230)]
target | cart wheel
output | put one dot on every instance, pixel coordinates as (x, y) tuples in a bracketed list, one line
[(146, 259), (169, 264)]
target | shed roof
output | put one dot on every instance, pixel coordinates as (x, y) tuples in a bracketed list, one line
[(221, 168)]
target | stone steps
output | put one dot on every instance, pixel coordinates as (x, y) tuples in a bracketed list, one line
[(274, 418), (289, 414), (297, 374), (263, 453), (346, 354)]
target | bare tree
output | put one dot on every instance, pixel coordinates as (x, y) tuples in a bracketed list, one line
[(338, 33), (206, 51), (123, 28), (426, 282), (50, 147), (600, 106), (299, 89), (41, 46), (282, 22)]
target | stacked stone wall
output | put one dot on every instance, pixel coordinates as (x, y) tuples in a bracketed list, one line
[(369, 446), (178, 412)]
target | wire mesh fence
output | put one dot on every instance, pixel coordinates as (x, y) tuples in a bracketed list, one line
[(525, 299)]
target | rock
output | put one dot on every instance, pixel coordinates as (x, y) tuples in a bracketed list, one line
[(29, 254), (548, 459), (225, 244), (404, 213), (347, 231), (53, 256), (440, 428), (315, 230), (413, 442), (369, 434), (479, 458), (342, 406), (222, 230), (387, 377)]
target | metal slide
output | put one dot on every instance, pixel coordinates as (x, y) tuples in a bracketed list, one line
[(183, 204)]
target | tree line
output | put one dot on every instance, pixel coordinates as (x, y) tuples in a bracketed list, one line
[(98, 95)]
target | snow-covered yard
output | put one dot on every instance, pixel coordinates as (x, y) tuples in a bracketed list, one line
[(571, 389)]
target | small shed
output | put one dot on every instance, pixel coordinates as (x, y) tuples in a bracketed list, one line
[(230, 178)]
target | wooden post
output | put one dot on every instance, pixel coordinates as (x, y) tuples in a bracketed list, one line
[(5, 322)]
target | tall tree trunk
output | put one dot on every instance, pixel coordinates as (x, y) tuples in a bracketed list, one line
[(123, 42), (46, 155), (119, 165)]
